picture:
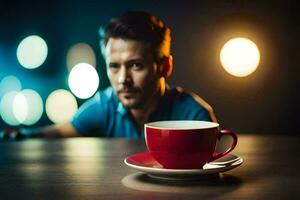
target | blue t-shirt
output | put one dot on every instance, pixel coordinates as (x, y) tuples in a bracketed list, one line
[(105, 116)]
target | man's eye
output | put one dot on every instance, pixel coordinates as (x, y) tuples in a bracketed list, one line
[(113, 67), (136, 66)]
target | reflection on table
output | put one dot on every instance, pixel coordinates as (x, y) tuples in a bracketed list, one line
[(93, 168)]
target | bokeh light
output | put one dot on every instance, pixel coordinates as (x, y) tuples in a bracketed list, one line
[(9, 84), (28, 107), (32, 52), (61, 106), (20, 107), (80, 53), (83, 80), (240, 57), (6, 108)]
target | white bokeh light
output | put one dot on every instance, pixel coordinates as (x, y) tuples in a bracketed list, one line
[(83, 80), (9, 84), (61, 106), (240, 57), (6, 108), (28, 107), (80, 53), (32, 52), (20, 107)]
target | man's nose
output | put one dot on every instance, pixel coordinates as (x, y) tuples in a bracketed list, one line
[(124, 76)]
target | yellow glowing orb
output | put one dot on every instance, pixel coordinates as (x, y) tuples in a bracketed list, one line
[(240, 57), (61, 106)]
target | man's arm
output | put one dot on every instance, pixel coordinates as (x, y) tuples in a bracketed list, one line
[(60, 130), (52, 131)]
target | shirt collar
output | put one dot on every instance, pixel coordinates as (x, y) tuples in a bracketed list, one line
[(163, 106), (119, 106), (121, 109)]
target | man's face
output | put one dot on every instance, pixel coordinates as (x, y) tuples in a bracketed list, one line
[(132, 71)]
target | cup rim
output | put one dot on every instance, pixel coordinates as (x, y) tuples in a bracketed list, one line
[(179, 125)]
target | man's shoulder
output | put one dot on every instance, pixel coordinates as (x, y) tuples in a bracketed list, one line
[(189, 102), (106, 95), (188, 99)]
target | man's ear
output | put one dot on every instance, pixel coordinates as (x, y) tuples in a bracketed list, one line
[(167, 66)]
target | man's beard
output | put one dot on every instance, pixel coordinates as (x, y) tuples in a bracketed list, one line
[(140, 98), (137, 101)]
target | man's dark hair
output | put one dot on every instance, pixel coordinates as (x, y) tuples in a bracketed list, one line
[(140, 26)]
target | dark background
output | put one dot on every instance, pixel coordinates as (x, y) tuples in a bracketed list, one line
[(264, 102)]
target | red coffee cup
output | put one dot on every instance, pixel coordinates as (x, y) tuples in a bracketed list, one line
[(185, 144)]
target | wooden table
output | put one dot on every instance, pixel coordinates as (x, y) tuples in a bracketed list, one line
[(93, 168)]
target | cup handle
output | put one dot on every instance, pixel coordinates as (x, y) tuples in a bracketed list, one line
[(234, 143)]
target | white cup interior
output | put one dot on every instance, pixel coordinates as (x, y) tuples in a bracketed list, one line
[(182, 125)]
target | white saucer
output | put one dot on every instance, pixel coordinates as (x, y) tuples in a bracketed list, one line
[(144, 162)]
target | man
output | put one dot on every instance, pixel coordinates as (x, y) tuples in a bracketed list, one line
[(136, 48)]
